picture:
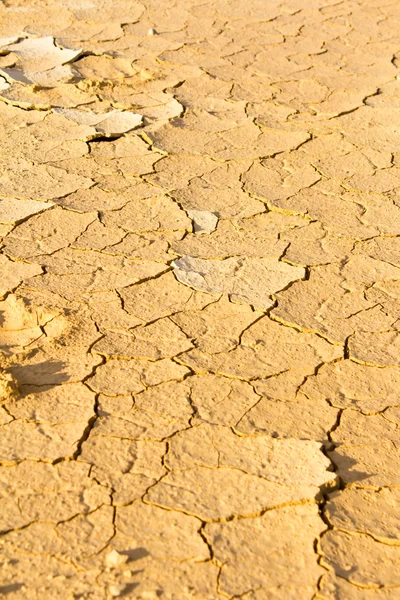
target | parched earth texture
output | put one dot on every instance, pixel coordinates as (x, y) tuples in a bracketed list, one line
[(199, 314)]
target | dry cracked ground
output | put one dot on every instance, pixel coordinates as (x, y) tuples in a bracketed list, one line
[(199, 315)]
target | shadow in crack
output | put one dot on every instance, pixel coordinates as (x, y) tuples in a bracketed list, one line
[(32, 377), (136, 553), (128, 588), (10, 588), (345, 466)]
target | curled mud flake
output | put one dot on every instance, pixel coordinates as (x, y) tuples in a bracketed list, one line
[(113, 123), (13, 210), (212, 458), (7, 41), (288, 462), (40, 63), (45, 79), (4, 85), (41, 54), (203, 221), (245, 280)]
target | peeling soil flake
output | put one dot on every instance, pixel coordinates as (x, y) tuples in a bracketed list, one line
[(199, 300)]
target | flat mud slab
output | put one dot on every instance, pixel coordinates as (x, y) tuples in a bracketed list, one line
[(199, 300)]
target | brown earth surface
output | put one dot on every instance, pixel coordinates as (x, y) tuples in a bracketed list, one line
[(199, 299)]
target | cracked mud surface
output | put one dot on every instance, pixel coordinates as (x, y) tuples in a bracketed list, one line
[(199, 300)]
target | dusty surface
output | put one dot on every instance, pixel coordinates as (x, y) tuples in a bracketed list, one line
[(199, 299)]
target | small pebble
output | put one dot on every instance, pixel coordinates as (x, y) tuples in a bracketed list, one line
[(117, 590), (152, 31), (114, 559)]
